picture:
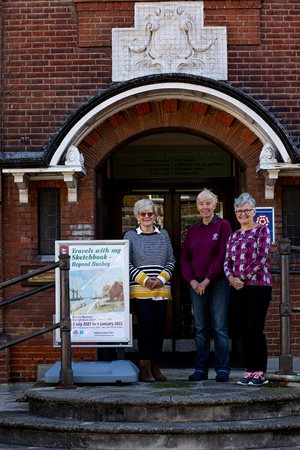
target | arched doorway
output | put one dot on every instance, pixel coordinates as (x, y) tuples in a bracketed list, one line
[(170, 168)]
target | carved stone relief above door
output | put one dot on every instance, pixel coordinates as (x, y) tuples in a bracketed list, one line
[(169, 37)]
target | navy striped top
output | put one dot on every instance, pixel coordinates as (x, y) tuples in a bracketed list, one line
[(150, 254)]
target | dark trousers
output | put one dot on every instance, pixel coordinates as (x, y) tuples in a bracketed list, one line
[(151, 316), (251, 306)]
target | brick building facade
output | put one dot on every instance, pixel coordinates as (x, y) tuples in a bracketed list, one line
[(59, 95)]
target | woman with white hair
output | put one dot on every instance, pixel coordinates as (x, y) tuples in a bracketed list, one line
[(202, 262), (151, 265), (247, 268)]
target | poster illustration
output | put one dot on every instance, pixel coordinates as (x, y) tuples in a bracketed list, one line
[(98, 291)]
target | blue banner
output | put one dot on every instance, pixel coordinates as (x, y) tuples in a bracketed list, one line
[(265, 216)]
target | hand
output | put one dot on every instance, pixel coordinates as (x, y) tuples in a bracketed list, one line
[(157, 283), (149, 284), (199, 287), (236, 282), (153, 283)]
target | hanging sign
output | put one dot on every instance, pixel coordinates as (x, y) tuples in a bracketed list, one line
[(265, 216), (98, 291)]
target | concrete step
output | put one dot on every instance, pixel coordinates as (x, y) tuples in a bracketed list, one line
[(177, 414), (28, 429), (174, 401)]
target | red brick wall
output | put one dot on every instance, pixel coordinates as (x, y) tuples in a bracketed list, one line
[(4, 365), (57, 53), (20, 249)]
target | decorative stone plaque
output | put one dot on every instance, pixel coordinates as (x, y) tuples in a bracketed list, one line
[(169, 37)]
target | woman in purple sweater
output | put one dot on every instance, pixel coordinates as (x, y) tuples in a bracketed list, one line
[(247, 268), (202, 262)]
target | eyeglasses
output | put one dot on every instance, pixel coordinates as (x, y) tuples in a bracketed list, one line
[(239, 212), (144, 214)]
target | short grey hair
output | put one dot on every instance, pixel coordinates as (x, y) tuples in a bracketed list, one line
[(142, 204), (207, 193), (244, 198)]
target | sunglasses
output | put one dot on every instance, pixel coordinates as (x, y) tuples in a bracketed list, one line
[(144, 214)]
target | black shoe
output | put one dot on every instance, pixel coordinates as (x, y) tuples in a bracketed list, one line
[(258, 379), (247, 377), (198, 375), (222, 376)]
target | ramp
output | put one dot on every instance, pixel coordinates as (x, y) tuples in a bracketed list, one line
[(119, 371)]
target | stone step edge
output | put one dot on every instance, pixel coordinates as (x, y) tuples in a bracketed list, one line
[(96, 405), (29, 422), (171, 413), (161, 397)]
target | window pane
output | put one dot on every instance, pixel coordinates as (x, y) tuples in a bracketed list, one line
[(291, 213), (49, 223)]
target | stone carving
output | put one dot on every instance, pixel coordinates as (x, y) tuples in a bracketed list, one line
[(74, 157), (267, 155), (169, 38)]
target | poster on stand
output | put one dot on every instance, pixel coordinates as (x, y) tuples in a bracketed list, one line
[(98, 292)]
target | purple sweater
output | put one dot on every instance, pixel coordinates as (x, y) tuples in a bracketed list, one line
[(247, 255), (204, 249)]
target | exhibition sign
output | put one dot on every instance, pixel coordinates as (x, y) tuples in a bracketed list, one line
[(98, 291), (265, 216)]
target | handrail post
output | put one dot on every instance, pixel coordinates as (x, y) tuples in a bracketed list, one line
[(285, 358), (66, 372)]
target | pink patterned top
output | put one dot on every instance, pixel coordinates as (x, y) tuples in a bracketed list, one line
[(247, 256)]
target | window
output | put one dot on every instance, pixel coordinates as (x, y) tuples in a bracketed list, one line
[(291, 213), (49, 220)]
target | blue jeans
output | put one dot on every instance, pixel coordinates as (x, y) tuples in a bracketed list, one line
[(210, 311)]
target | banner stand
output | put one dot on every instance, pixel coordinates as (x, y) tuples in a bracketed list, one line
[(99, 309)]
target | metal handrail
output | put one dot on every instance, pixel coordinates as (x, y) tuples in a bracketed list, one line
[(27, 294), (30, 336), (285, 358), (66, 372), (26, 276)]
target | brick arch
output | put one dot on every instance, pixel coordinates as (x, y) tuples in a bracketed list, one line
[(171, 114), (115, 105)]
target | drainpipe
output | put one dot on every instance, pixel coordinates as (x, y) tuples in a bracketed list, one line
[(285, 358), (4, 356)]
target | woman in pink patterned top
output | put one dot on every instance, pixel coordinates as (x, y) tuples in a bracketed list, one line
[(247, 268)]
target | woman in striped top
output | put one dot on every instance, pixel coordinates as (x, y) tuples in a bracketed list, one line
[(151, 264)]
